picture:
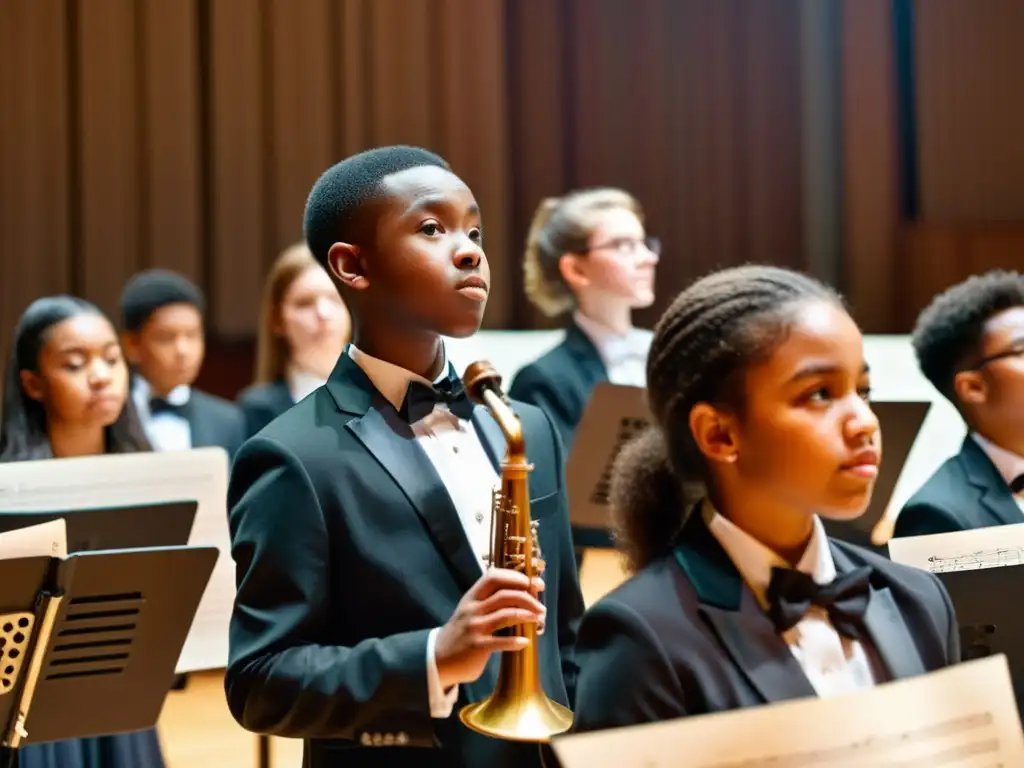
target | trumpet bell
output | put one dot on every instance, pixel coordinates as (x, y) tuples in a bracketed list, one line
[(531, 718)]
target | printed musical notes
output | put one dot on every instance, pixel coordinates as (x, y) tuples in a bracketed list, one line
[(962, 550), (974, 561), (961, 717)]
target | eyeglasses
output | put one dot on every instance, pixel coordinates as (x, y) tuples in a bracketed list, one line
[(628, 246), (1017, 350)]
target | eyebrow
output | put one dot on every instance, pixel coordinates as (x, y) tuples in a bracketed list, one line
[(78, 349), (823, 369), (435, 202)]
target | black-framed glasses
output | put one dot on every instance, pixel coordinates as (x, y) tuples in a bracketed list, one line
[(628, 246), (1017, 350)]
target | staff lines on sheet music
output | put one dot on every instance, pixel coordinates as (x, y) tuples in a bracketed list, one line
[(981, 744), (976, 561)]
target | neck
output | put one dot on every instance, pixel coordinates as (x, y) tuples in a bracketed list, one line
[(420, 353), (70, 440), (317, 362), (785, 531), (1014, 443), (611, 313)]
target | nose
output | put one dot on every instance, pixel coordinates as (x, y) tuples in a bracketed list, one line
[(99, 375), (468, 254), (324, 308), (862, 426), (649, 256)]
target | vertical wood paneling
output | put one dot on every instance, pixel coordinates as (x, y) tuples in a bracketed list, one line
[(239, 226), (172, 170), (111, 195), (352, 61), (473, 134), (404, 90), (870, 159), (34, 156), (302, 113)]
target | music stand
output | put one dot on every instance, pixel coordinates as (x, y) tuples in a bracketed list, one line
[(126, 527), (613, 416), (900, 424), (92, 640)]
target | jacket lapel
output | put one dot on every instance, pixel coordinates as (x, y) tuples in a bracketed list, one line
[(885, 625), (587, 357), (491, 436), (389, 439), (200, 429), (743, 628), (996, 497)]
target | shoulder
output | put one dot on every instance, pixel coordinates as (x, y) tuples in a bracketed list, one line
[(212, 404), (642, 599), (948, 479), (550, 367), (262, 395)]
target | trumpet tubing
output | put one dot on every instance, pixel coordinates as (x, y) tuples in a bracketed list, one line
[(517, 709)]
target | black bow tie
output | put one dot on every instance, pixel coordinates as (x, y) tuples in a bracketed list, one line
[(158, 405), (791, 593), (421, 398), (1017, 486)]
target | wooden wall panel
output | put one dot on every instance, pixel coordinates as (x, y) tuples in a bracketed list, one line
[(302, 87), (242, 222), (172, 161), (110, 128), (35, 216)]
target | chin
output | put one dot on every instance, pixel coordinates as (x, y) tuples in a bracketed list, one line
[(846, 509), (461, 328)]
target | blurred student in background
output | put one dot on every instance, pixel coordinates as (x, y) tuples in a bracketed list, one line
[(66, 395), (304, 327), (164, 340), (587, 254)]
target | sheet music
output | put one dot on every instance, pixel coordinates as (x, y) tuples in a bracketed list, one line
[(961, 717), (961, 550), (136, 478), (48, 539)]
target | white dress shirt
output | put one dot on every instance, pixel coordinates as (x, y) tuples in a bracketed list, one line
[(454, 448), (302, 383), (1009, 464), (833, 664), (624, 357), (166, 431)]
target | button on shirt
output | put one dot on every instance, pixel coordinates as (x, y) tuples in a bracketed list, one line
[(832, 663), (166, 431), (1009, 464), (624, 357), (454, 449)]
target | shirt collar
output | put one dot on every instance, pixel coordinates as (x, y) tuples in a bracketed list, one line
[(614, 347), (755, 561), (302, 383), (1009, 464), (392, 380), (142, 391)]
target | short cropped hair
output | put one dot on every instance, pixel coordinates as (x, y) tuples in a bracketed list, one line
[(948, 333), (148, 291), (338, 196)]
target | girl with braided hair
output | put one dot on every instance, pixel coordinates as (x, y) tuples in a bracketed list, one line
[(759, 391)]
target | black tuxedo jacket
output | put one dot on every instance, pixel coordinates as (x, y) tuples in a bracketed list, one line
[(966, 492), (214, 421), (685, 636), (348, 552), (560, 382), (262, 403)]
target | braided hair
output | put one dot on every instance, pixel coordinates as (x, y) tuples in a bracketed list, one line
[(703, 344)]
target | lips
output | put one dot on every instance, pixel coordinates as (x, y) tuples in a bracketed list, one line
[(864, 463), (474, 288)]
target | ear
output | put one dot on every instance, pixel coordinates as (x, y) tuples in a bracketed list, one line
[(130, 345), (573, 270), (32, 384), (715, 433), (346, 265), (970, 388)]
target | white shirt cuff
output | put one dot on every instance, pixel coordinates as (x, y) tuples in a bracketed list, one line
[(441, 703)]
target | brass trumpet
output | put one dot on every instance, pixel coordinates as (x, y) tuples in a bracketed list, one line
[(517, 709)]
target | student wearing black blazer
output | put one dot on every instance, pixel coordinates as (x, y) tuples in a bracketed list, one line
[(970, 345), (739, 598), (304, 326)]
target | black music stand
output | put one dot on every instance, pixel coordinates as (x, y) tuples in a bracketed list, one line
[(614, 414), (91, 641), (900, 424), (126, 527)]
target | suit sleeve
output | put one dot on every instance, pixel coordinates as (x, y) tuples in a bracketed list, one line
[(922, 519), (285, 676), (625, 676), (570, 598)]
